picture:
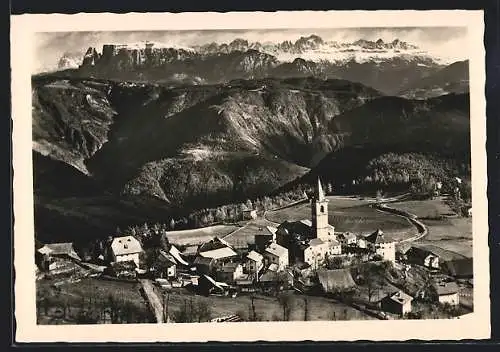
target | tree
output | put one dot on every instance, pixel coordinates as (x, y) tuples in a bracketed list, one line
[(306, 310), (285, 301)]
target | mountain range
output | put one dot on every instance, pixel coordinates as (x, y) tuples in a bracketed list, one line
[(392, 68)]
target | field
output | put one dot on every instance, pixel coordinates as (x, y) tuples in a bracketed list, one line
[(446, 229), (269, 309), (197, 236), (89, 293), (351, 214)]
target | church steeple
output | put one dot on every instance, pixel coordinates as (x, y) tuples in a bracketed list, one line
[(320, 194), (319, 212)]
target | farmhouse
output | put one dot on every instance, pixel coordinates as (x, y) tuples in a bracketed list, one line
[(347, 239), (421, 256), (126, 248), (165, 266), (397, 303), (316, 252), (448, 293), (382, 246), (460, 268), (204, 265), (254, 263), (59, 250), (230, 272), (262, 240), (249, 214), (276, 254)]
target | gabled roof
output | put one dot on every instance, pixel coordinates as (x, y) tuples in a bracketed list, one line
[(462, 267), (316, 242), (277, 250), (214, 243), (59, 249), (224, 252), (333, 242), (256, 257), (446, 288), (166, 259), (125, 245), (400, 297), (190, 250), (333, 280), (203, 261), (377, 237), (174, 252)]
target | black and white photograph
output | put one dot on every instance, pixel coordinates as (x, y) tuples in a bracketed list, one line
[(255, 175)]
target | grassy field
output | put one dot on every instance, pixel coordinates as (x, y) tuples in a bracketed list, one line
[(197, 236), (88, 293), (268, 308), (246, 234), (351, 214), (448, 232)]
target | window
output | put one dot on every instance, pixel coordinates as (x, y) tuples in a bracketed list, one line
[(322, 209)]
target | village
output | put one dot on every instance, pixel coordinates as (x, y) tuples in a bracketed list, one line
[(306, 258)]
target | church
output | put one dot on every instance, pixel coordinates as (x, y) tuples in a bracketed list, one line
[(310, 241)]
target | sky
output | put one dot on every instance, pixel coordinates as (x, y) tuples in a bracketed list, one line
[(438, 41)]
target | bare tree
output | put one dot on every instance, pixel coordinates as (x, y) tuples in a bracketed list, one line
[(285, 302)]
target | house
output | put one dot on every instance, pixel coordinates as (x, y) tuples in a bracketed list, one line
[(316, 252), (59, 250), (213, 244), (335, 281), (230, 272), (431, 261), (221, 255), (204, 265), (207, 285), (382, 246), (347, 239), (254, 263), (249, 214), (334, 247), (361, 242), (469, 212), (448, 292), (265, 237), (165, 266), (397, 303), (126, 248), (276, 254), (276, 280)]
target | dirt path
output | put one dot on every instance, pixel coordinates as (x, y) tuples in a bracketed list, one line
[(154, 300)]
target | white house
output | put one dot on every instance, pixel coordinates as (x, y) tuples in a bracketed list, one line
[(126, 248), (448, 293), (316, 252), (397, 303), (334, 247), (230, 272), (254, 262), (348, 238), (431, 261), (249, 214), (382, 246), (277, 254)]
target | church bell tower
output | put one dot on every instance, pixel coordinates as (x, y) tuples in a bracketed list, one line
[(319, 208)]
